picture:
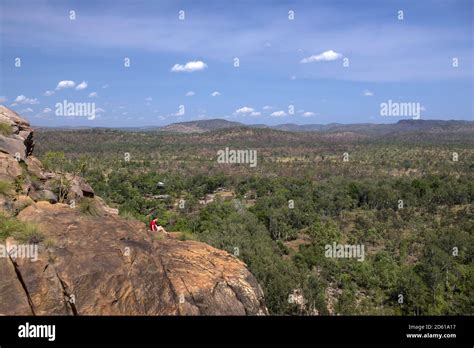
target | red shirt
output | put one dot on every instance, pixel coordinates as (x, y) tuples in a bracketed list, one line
[(153, 225)]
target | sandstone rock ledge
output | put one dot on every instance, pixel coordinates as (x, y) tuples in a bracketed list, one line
[(113, 266)]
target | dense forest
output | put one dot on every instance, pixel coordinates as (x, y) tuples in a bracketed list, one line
[(407, 199)]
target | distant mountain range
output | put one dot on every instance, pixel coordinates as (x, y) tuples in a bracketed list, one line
[(371, 129), (368, 129)]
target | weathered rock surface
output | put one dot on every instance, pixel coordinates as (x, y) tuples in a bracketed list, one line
[(112, 266), (20, 131), (35, 167), (102, 264), (13, 146), (10, 169), (43, 195), (78, 187)]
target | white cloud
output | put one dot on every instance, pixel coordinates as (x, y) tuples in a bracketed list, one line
[(278, 114), (368, 93), (149, 99), (3, 99), (65, 84), (81, 86), (293, 77), (47, 110), (255, 113), (325, 56), (21, 99), (189, 66), (93, 95), (267, 107), (244, 110), (99, 110), (105, 86), (190, 94), (215, 94), (308, 114), (48, 93), (26, 110)]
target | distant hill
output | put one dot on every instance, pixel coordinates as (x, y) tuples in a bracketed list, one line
[(200, 126)]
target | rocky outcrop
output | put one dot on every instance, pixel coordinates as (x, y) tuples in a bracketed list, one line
[(21, 138), (93, 262), (36, 182)]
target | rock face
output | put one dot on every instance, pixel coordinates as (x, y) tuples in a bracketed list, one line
[(37, 182), (21, 138), (93, 262)]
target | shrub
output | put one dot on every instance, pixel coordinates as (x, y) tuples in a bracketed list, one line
[(24, 232), (5, 129), (187, 236), (5, 187), (88, 206)]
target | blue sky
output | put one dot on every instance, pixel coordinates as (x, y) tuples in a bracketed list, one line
[(283, 62)]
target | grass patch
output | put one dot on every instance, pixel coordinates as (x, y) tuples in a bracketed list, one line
[(5, 129), (88, 206), (49, 243), (187, 236), (5, 187), (24, 232)]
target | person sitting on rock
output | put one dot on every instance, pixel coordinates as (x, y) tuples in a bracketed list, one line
[(153, 225)]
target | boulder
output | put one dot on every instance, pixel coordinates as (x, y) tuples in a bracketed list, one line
[(13, 147), (78, 187), (21, 202), (35, 167), (43, 195)]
